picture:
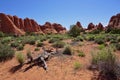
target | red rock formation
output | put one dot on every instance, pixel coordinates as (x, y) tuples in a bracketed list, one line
[(100, 26), (59, 28), (48, 28), (21, 24), (90, 26), (79, 24), (7, 25), (11, 17), (28, 25), (114, 21), (15, 25), (16, 21)]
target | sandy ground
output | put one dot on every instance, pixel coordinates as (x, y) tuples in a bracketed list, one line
[(59, 67)]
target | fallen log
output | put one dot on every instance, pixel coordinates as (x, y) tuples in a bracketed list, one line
[(42, 58)]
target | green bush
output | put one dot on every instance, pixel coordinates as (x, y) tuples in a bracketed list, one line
[(96, 31), (91, 38), (102, 46), (20, 58), (118, 46), (20, 47), (6, 52), (6, 40), (81, 54), (53, 40), (29, 40), (107, 64), (39, 44), (74, 31), (113, 41), (37, 49), (77, 65), (2, 34), (99, 41), (67, 50), (79, 38), (118, 38), (14, 44), (59, 44)]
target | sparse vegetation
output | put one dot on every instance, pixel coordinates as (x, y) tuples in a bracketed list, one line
[(39, 44), (20, 58), (77, 66), (53, 40), (37, 49), (67, 50), (107, 64), (81, 54), (6, 52), (14, 44), (59, 44), (20, 47), (102, 46), (74, 31)]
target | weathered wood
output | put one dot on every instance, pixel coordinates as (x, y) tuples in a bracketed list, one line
[(41, 58)]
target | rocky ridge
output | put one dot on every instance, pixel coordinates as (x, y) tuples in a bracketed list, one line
[(18, 26)]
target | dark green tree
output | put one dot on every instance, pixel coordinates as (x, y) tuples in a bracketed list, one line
[(74, 31)]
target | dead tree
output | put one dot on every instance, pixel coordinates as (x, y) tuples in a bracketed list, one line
[(43, 57)]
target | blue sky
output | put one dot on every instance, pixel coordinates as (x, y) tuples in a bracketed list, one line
[(65, 12)]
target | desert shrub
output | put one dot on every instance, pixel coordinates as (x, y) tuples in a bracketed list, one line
[(90, 37), (102, 46), (74, 31), (81, 54), (112, 30), (118, 46), (113, 46), (6, 40), (79, 38), (107, 64), (81, 44), (39, 44), (115, 31), (6, 52), (20, 47), (53, 40), (43, 39), (99, 41), (67, 50), (113, 41), (96, 31), (118, 38), (29, 40), (77, 65), (14, 44), (20, 58), (59, 44), (36, 49), (2, 34)]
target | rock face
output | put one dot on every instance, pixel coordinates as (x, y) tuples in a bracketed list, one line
[(18, 26), (8, 26), (100, 26), (115, 21), (48, 28), (79, 24), (59, 28), (90, 26)]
